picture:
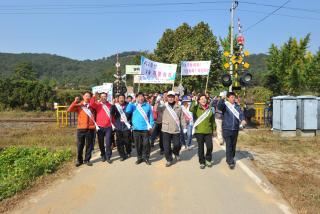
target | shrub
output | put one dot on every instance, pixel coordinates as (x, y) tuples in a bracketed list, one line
[(19, 167)]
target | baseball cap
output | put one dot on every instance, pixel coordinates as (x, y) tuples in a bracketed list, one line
[(171, 93)]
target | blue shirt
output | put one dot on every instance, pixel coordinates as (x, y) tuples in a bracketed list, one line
[(138, 122)]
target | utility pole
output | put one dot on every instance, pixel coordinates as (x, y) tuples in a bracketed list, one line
[(234, 5)]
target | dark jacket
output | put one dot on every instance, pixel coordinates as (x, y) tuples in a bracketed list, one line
[(230, 122), (119, 125)]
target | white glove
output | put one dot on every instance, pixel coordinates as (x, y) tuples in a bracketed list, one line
[(185, 131), (243, 124)]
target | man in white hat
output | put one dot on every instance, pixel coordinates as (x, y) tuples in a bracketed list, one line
[(172, 123)]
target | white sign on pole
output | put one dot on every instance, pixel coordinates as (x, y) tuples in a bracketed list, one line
[(195, 68), (156, 72), (106, 88), (133, 69), (136, 78)]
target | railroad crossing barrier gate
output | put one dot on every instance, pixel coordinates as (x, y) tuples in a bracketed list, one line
[(259, 113), (65, 118)]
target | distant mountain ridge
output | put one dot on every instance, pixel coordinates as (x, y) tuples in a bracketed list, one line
[(85, 72)]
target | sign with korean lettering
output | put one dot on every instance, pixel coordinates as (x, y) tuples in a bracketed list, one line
[(156, 72), (133, 69), (105, 88), (189, 68)]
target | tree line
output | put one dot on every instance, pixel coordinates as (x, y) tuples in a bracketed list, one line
[(35, 81)]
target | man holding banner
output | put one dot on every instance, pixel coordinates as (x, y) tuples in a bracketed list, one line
[(142, 123), (172, 123), (85, 127), (104, 121), (203, 129), (233, 118)]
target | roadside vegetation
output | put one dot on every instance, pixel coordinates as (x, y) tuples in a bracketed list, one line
[(290, 164)]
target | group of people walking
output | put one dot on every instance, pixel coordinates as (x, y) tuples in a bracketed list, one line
[(145, 118)]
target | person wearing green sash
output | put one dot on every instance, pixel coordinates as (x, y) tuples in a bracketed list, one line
[(203, 129)]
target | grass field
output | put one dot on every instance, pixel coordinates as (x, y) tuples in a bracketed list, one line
[(25, 115), (292, 165)]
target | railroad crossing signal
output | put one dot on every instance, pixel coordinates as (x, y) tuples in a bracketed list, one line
[(119, 86), (241, 76)]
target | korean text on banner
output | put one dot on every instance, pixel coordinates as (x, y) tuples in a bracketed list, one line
[(156, 72), (189, 68)]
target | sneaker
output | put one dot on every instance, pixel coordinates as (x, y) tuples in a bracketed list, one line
[(78, 164), (177, 157), (109, 161), (139, 161), (231, 166), (202, 166), (103, 159), (89, 163), (169, 163), (147, 161), (209, 163)]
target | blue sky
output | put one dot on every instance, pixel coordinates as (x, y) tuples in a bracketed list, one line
[(94, 29)]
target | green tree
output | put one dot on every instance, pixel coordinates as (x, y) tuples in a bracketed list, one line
[(23, 90), (24, 71), (313, 74), (188, 43), (287, 67)]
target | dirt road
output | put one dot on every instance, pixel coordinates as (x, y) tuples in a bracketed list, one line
[(124, 187)]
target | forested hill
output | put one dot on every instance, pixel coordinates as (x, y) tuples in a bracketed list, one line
[(67, 71)]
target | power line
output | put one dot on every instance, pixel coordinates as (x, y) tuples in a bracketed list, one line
[(152, 11), (58, 6), (162, 4), (267, 16), (111, 12), (280, 14), (276, 6)]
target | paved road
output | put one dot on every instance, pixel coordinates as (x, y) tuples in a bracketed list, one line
[(123, 187)]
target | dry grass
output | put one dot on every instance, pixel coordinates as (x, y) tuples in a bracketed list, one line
[(291, 164), (16, 114), (37, 134)]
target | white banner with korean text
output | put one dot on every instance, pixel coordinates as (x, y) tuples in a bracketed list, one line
[(189, 68), (156, 72)]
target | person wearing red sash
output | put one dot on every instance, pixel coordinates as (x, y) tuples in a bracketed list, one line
[(104, 121), (85, 127)]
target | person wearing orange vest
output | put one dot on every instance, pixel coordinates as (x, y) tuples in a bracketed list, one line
[(85, 128), (104, 121)]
